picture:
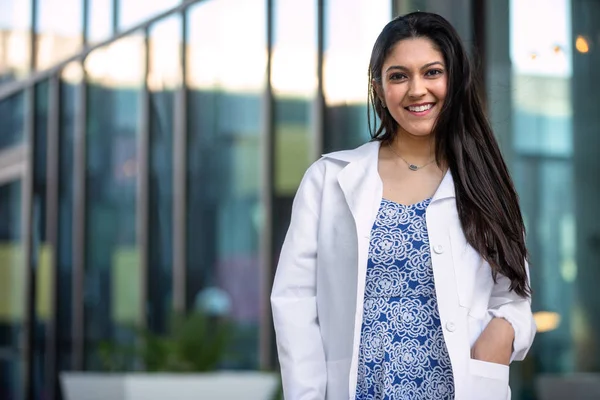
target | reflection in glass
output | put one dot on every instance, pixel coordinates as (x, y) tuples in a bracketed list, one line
[(226, 80), (164, 78), (59, 32), (112, 281), (133, 12), (211, 62), (351, 28), (99, 20), (69, 109), (586, 168), (41, 249), (12, 291), (550, 108), (542, 144), (294, 81), (15, 39), (12, 115)]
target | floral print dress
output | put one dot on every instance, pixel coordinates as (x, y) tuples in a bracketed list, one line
[(403, 354)]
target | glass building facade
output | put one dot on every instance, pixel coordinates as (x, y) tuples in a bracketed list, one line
[(150, 152)]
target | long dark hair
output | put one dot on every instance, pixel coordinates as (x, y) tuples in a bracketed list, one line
[(487, 203)]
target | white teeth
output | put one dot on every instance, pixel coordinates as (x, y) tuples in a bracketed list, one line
[(420, 108)]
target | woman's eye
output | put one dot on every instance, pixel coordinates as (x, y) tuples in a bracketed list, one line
[(396, 77), (433, 72)]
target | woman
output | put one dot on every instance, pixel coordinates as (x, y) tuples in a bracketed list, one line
[(403, 274)]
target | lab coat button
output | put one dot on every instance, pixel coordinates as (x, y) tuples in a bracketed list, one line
[(439, 249), (450, 327)]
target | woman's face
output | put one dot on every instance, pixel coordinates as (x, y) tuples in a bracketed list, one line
[(413, 85)]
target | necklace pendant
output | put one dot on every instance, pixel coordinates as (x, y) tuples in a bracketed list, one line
[(413, 167)]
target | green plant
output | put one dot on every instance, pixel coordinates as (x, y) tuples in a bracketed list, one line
[(196, 342)]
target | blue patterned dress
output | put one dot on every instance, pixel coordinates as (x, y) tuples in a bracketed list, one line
[(403, 354)]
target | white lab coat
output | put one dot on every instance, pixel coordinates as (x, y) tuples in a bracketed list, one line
[(317, 296)]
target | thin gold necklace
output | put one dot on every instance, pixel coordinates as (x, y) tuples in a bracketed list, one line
[(412, 167)]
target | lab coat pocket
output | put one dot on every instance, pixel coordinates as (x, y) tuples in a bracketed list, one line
[(489, 381)]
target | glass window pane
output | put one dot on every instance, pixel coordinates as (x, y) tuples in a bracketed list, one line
[(294, 81), (351, 28), (543, 103), (12, 115), (12, 292), (41, 249), (58, 30), (226, 80), (541, 148), (70, 107), (164, 79), (99, 20), (133, 12), (15, 43), (458, 12), (581, 246), (112, 282)]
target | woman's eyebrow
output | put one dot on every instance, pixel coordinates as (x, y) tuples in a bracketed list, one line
[(403, 68)]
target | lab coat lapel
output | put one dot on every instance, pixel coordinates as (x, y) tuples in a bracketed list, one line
[(362, 187), (363, 191)]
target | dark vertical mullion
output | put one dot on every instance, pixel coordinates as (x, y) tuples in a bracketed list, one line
[(32, 38), (478, 20), (85, 32), (52, 182), (319, 113), (142, 197), (79, 226), (115, 17), (266, 196), (395, 8), (180, 178), (27, 232)]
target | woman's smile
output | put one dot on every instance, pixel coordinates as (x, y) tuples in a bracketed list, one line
[(420, 110)]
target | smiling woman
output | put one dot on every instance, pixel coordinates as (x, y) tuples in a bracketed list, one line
[(415, 242)]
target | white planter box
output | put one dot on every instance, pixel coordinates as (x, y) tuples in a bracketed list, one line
[(159, 386)]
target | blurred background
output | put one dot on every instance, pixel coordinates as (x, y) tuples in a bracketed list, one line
[(150, 152)]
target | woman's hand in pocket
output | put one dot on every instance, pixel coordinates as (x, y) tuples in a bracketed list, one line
[(495, 343)]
